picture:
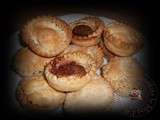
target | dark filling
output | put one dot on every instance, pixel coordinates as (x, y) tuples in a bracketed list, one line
[(82, 30), (67, 68)]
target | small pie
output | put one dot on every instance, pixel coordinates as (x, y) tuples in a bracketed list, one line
[(26, 63), (95, 97), (47, 36), (70, 72), (33, 93), (87, 31), (125, 76), (122, 40)]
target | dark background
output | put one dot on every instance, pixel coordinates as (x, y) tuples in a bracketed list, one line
[(139, 14)]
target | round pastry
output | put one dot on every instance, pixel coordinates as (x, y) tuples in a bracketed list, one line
[(47, 36), (96, 52), (70, 72), (87, 31), (95, 97), (33, 93), (26, 63), (122, 40), (125, 76)]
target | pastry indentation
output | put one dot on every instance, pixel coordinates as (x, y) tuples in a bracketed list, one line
[(87, 31), (82, 30), (61, 67)]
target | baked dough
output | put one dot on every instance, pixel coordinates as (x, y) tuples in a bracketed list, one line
[(122, 40), (96, 52), (26, 63), (87, 31), (95, 97), (125, 75), (47, 36), (34, 94), (70, 72)]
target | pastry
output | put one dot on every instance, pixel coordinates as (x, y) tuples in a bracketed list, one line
[(70, 72), (122, 40), (95, 97), (26, 63), (47, 36), (95, 52), (125, 76), (33, 93), (87, 31)]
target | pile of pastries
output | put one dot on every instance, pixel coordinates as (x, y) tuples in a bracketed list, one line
[(58, 65)]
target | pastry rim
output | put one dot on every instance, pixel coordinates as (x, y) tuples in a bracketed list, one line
[(24, 98), (73, 82), (60, 26), (110, 40), (91, 39)]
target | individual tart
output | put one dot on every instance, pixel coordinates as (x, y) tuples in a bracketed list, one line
[(87, 31), (95, 97), (96, 52), (125, 76), (27, 64), (33, 93), (47, 36), (122, 40), (70, 72)]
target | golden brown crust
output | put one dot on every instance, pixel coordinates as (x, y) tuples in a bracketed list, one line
[(86, 42), (95, 97), (122, 40), (47, 36), (26, 63), (72, 82), (91, 39), (33, 93), (124, 74), (96, 52)]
